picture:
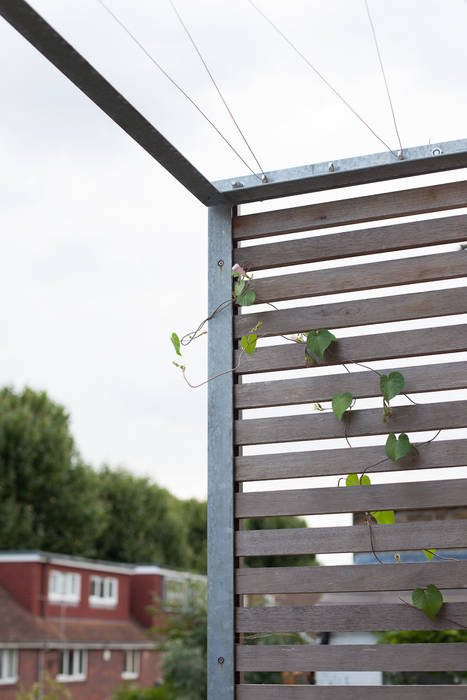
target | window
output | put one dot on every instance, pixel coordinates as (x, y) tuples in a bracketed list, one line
[(104, 591), (8, 666), (175, 592), (64, 587), (131, 664), (73, 665)]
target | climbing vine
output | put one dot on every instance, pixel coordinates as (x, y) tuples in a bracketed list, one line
[(316, 343)]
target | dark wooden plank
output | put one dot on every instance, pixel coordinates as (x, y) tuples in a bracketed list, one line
[(356, 617), (319, 426), (358, 692), (359, 312), (346, 244), (447, 534), (353, 657), (292, 392), (446, 493), (354, 278), (424, 341), (352, 577), (286, 465), (357, 210)]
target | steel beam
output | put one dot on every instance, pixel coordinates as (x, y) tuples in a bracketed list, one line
[(420, 160), (59, 52), (221, 668)]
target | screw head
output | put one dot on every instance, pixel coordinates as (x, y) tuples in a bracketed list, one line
[(220, 660), (220, 263), (436, 151)]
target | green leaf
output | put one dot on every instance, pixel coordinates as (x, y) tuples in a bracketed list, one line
[(429, 600), (239, 287), (249, 344), (340, 403), (429, 553), (235, 273), (384, 517), (364, 480), (176, 343), (246, 298), (352, 480), (318, 341), (392, 385), (396, 448)]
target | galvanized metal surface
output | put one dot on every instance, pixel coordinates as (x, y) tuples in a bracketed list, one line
[(59, 52), (220, 462), (419, 160)]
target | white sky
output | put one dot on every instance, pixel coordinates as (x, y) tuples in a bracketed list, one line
[(103, 254)]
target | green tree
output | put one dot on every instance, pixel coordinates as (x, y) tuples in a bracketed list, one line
[(193, 514), (47, 689), (142, 523), (49, 499), (278, 524)]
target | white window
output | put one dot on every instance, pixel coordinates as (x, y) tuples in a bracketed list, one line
[(131, 664), (73, 665), (8, 666), (104, 591), (175, 592), (64, 587)]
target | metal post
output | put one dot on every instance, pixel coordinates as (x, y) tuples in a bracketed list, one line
[(221, 672)]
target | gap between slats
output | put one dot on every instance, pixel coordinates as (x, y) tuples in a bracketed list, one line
[(356, 210)]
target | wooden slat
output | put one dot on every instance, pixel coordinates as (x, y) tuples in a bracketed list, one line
[(359, 312), (359, 348), (353, 657), (352, 577), (447, 493), (355, 617), (354, 278), (448, 534), (292, 392), (351, 211), (357, 692), (287, 465), (346, 244), (319, 426)]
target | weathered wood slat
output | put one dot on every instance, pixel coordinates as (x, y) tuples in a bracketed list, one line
[(447, 493), (358, 312), (450, 534), (319, 426), (354, 657), (353, 278), (351, 211), (292, 392), (346, 244), (287, 465), (359, 692), (348, 618), (352, 577), (364, 348)]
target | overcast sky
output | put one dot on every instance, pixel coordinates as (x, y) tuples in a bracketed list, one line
[(103, 254)]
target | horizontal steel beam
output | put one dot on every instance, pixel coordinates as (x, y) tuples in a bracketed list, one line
[(450, 155), (59, 52)]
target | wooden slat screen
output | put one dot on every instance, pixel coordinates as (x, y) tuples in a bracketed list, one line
[(259, 438)]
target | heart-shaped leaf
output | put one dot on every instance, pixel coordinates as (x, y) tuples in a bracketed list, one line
[(239, 287), (246, 298), (249, 344), (429, 600), (392, 385), (176, 343), (354, 480), (340, 403), (384, 517), (429, 553), (317, 342), (396, 448)]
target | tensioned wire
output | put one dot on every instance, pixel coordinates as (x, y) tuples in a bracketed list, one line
[(175, 84), (320, 75)]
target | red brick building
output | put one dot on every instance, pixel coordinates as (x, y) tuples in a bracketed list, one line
[(82, 621)]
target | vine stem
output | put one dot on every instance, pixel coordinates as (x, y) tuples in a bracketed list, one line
[(448, 619)]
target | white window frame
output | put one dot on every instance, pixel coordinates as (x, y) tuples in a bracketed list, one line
[(132, 661), (73, 663), (8, 666), (64, 587), (108, 596)]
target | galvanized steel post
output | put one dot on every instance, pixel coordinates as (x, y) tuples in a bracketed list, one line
[(221, 671)]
